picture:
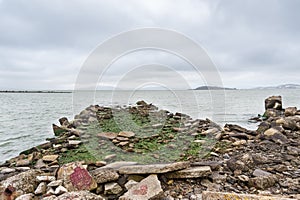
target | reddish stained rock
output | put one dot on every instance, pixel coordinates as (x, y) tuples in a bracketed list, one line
[(76, 177), (81, 179), (148, 188), (142, 190)]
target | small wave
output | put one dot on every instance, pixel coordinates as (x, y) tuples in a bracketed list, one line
[(14, 138), (5, 144)]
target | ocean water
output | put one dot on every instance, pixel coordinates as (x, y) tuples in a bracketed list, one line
[(26, 118)]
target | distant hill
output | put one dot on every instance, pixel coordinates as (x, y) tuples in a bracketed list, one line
[(284, 86), (213, 88)]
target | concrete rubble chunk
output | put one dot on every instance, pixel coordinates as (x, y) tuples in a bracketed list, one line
[(208, 195), (80, 195), (153, 168), (193, 172), (148, 188), (75, 177), (104, 175)]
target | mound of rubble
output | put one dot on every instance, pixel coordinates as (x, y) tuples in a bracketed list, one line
[(214, 163)]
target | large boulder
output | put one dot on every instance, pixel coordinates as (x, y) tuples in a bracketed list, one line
[(273, 102), (75, 177), (273, 106), (290, 111), (19, 184)]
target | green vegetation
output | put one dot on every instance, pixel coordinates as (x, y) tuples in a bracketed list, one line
[(155, 140)]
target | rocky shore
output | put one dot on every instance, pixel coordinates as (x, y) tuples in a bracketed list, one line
[(141, 152)]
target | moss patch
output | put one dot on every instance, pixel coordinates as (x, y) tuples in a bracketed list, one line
[(158, 139)]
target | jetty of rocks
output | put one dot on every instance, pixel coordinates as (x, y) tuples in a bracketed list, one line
[(140, 152)]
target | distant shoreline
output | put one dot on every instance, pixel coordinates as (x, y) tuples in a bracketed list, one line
[(25, 91)]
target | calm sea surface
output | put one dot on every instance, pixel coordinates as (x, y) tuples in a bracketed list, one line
[(26, 119)]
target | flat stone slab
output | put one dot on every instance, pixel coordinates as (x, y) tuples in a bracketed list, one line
[(259, 172), (104, 175), (119, 164), (127, 134), (107, 135), (193, 172), (153, 168), (50, 158), (74, 142), (207, 195), (148, 188)]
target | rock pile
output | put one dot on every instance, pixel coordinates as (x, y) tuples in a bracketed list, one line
[(238, 164)]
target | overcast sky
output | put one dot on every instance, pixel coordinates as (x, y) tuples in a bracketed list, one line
[(43, 44)]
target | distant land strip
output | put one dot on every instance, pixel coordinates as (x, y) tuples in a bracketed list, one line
[(213, 88), (29, 91)]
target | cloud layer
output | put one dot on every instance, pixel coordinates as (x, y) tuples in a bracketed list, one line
[(43, 44)]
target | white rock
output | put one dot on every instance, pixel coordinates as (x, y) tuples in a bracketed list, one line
[(7, 170), (130, 183), (41, 188), (55, 183), (45, 178), (60, 190), (50, 191), (29, 196), (74, 142), (22, 169), (52, 197), (148, 188), (112, 188)]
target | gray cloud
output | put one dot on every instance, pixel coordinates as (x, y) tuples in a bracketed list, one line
[(44, 43)]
